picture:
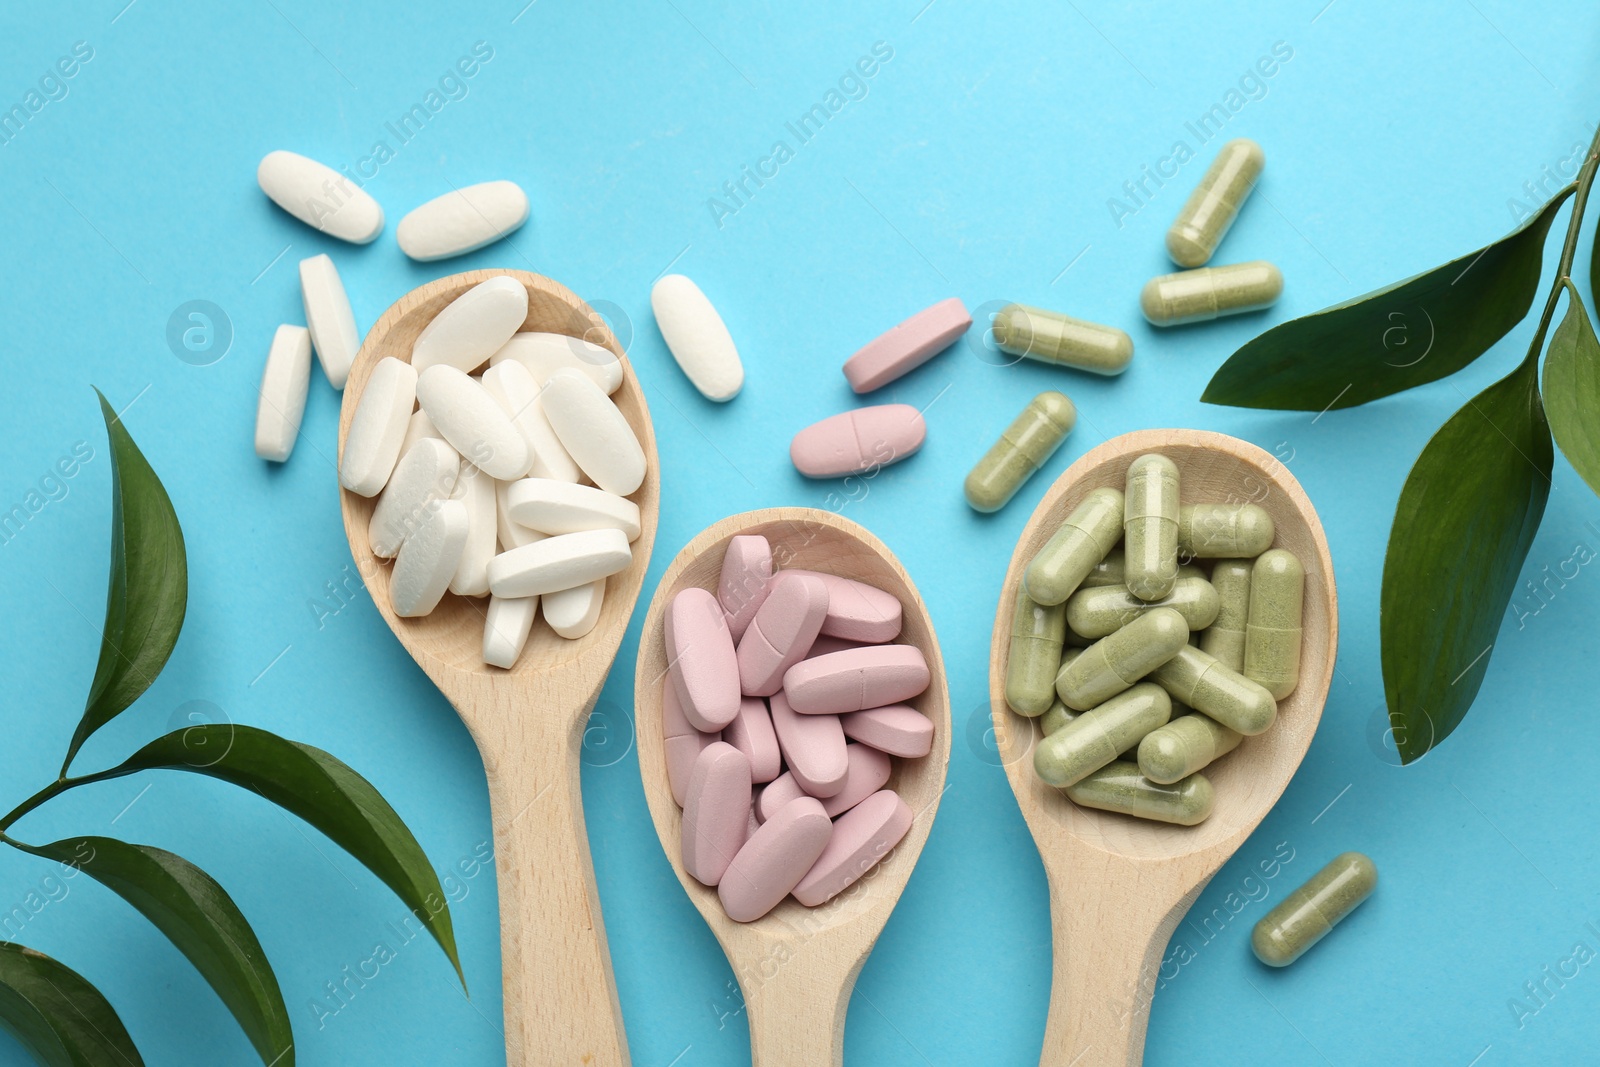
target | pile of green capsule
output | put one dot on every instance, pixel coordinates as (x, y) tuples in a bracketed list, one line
[(1144, 666)]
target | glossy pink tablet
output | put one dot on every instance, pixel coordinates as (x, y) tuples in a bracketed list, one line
[(813, 746), (751, 733), (857, 611), (862, 836), (746, 578), (899, 730), (716, 816), (855, 679), (774, 859), (701, 660), (857, 441), (781, 633), (907, 346)]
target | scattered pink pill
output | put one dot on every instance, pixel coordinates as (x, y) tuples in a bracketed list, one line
[(716, 814), (781, 633), (701, 660), (751, 733), (774, 859), (858, 611), (854, 680), (813, 746), (907, 346), (899, 730), (856, 441), (745, 581), (861, 837)]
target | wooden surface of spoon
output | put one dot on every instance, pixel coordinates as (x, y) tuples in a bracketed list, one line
[(796, 966), (1119, 885), (560, 998)]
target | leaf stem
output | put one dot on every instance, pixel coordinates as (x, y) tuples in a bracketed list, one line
[(1569, 250), (48, 793)]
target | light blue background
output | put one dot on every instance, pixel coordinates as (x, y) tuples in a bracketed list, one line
[(979, 166)]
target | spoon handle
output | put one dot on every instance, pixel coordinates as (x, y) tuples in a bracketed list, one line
[(796, 996)]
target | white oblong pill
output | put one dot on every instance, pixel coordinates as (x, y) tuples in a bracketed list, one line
[(509, 533), (283, 392), (518, 395), (505, 629), (373, 444), (473, 326), (473, 422), (427, 560), (462, 220), (558, 563), (329, 318), (545, 353), (320, 197), (594, 432), (573, 612), (425, 475), (476, 490), (555, 507), (697, 337), (418, 428)]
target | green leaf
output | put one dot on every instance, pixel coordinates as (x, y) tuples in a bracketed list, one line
[(324, 792), (1462, 528), (57, 1015), (1572, 389), (149, 586), (201, 920), (1411, 333)]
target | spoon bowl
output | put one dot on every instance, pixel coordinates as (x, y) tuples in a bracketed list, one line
[(1120, 885), (528, 722), (797, 965)]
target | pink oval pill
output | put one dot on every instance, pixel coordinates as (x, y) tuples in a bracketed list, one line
[(776, 794), (899, 730), (855, 679), (859, 440), (716, 816), (683, 742), (824, 645), (746, 578), (701, 660), (751, 733), (774, 859), (862, 836), (868, 771), (781, 633), (812, 745), (858, 611), (907, 346)]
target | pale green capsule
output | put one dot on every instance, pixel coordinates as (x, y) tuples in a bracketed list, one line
[(1023, 448), (1223, 531), (1098, 612), (1109, 571), (1204, 294), (1150, 526), (1035, 655), (1051, 337), (1121, 788), (1201, 682), (1305, 916), (1114, 663), (1186, 744), (1101, 734), (1215, 202), (1272, 636), (1084, 539), (1057, 717), (1224, 638)]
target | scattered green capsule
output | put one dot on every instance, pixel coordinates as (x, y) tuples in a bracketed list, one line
[(1272, 637), (1114, 663), (1101, 734), (1223, 531), (1089, 533), (1035, 655), (1224, 638), (1305, 916), (1051, 337), (1098, 612), (1201, 682), (1121, 788), (1204, 294), (1150, 526), (1212, 207), (1023, 448), (1186, 744), (1057, 717)]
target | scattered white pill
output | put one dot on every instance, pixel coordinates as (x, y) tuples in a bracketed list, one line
[(473, 326), (473, 422), (594, 432), (553, 507), (475, 489), (573, 612), (505, 629), (518, 395), (462, 220), (373, 444), (545, 353), (697, 337), (560, 562), (329, 318), (320, 197), (425, 475), (428, 559), (283, 392), (510, 534), (419, 427)]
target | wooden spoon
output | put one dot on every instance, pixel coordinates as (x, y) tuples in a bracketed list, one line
[(528, 722), (797, 965), (1119, 885)]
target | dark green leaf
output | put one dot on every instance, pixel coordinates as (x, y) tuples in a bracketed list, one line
[(201, 920), (149, 586), (325, 793), (1466, 517), (1411, 333), (58, 1016), (1572, 389)]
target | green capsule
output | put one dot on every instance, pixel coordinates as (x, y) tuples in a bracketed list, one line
[(1121, 788), (1098, 612), (1212, 207), (1272, 637), (1204, 294), (1023, 448), (1150, 526), (1109, 571), (1035, 656), (1186, 744), (1305, 916), (1051, 337), (1083, 541), (1114, 663), (1223, 531), (1101, 734), (1201, 682), (1224, 638), (1057, 717)]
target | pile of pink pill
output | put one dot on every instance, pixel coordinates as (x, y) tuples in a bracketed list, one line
[(783, 704)]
